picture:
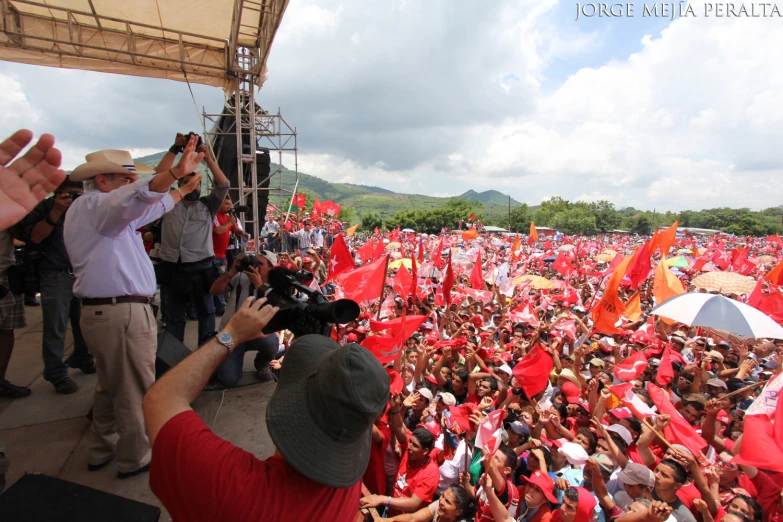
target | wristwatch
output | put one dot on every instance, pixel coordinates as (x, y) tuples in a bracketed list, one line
[(226, 340)]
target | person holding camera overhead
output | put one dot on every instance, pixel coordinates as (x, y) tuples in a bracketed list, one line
[(246, 276), (186, 246), (116, 282), (43, 230)]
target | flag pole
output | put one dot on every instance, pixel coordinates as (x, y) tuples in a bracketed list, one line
[(293, 195), (383, 288)]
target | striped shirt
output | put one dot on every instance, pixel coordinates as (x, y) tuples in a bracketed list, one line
[(304, 238)]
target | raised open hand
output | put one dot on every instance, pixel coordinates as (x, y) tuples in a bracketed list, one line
[(30, 178), (189, 160)]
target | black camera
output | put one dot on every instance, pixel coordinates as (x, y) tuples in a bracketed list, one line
[(303, 310), (74, 194), (198, 137), (245, 261)]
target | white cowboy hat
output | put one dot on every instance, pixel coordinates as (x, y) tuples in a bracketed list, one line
[(109, 162)]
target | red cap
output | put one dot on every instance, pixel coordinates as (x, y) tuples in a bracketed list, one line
[(352, 338), (361, 329), (572, 392), (543, 481), (484, 335), (432, 379), (431, 426), (396, 383), (432, 338), (476, 320), (724, 417), (621, 413)]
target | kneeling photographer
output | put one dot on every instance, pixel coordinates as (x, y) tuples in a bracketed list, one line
[(245, 277)]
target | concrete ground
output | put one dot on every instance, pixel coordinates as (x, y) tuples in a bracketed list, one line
[(46, 432)]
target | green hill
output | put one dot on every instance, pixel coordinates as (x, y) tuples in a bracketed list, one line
[(365, 199)]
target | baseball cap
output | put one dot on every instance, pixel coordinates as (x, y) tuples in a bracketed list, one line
[(621, 413), (717, 383), (269, 255), (595, 361), (724, 344), (572, 392), (654, 362), (544, 482), (605, 463), (696, 397), (634, 473), (574, 453), (426, 393), (678, 336), (520, 428), (622, 431), (505, 368), (447, 398)]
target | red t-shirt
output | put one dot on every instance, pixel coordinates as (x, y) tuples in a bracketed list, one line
[(220, 241), (421, 481), (199, 476)]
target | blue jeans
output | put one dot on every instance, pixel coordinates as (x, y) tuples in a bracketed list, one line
[(230, 371), (59, 305)]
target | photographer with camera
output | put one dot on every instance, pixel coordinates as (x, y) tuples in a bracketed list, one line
[(244, 278), (43, 230), (186, 247)]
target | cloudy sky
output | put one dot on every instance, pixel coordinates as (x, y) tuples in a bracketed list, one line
[(440, 96)]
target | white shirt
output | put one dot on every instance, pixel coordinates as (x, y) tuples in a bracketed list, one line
[(451, 469)]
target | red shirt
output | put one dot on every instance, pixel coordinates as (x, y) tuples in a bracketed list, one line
[(421, 481), (220, 241), (375, 476), (199, 476)]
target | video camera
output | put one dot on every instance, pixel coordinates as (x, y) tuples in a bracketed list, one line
[(245, 261), (303, 310), (238, 209)]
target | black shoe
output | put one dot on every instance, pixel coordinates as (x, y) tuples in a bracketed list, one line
[(265, 375), (129, 474), (98, 467), (86, 367), (31, 301), (11, 391), (66, 386)]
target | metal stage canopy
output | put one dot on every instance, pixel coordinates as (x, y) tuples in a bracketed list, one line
[(222, 43)]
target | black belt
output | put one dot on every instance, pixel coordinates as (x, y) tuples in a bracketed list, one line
[(100, 301)]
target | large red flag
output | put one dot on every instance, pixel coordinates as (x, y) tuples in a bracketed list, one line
[(489, 435), (437, 257), (762, 443), (402, 281), (340, 258), (380, 248), (639, 268), (608, 310), (476, 275), (316, 207), (665, 372), (366, 282), (365, 252), (631, 368), (448, 282), (770, 303), (395, 326), (562, 265), (532, 372), (678, 430), (421, 251), (738, 258)]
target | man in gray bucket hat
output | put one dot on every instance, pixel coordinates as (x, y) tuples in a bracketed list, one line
[(320, 419)]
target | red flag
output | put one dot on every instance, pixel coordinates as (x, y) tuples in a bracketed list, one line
[(316, 207), (738, 258), (770, 303), (380, 248), (775, 276), (631, 368), (633, 402), (472, 217), (395, 326), (664, 239), (678, 430), (402, 281), (340, 258), (437, 257), (365, 252), (476, 275), (533, 236), (414, 276), (366, 282), (562, 265), (665, 371), (490, 432), (568, 327), (762, 444), (376, 232), (421, 251), (720, 258), (639, 268), (532, 372), (299, 200), (525, 313), (448, 282)]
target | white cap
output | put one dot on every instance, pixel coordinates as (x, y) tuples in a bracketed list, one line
[(574, 453), (622, 431), (505, 368), (426, 393)]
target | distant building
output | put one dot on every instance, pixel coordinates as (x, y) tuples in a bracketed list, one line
[(546, 231), (698, 231), (625, 232)]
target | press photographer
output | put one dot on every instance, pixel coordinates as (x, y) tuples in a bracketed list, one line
[(43, 231), (186, 247), (246, 276)]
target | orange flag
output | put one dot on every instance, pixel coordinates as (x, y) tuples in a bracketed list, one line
[(351, 231), (469, 234), (533, 234), (665, 286), (633, 308), (516, 247), (775, 276), (664, 239), (607, 312)]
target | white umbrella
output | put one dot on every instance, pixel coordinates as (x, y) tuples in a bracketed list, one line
[(716, 311), (407, 230)]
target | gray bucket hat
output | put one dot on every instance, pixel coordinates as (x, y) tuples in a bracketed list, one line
[(321, 414)]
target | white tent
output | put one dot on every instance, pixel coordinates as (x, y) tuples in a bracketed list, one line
[(203, 41), (490, 228)]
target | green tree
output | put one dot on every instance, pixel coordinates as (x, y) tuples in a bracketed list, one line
[(606, 216), (545, 215), (520, 219), (370, 221), (576, 220), (348, 215)]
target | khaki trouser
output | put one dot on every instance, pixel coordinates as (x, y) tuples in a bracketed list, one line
[(123, 339)]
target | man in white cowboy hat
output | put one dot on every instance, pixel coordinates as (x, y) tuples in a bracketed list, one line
[(320, 419), (116, 282), (187, 251)]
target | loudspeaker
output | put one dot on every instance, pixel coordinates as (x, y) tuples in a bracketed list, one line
[(170, 353), (41, 498)]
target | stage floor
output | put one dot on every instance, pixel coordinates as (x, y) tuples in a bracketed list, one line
[(46, 432)]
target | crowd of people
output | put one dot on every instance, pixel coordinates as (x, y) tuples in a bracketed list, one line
[(486, 377)]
